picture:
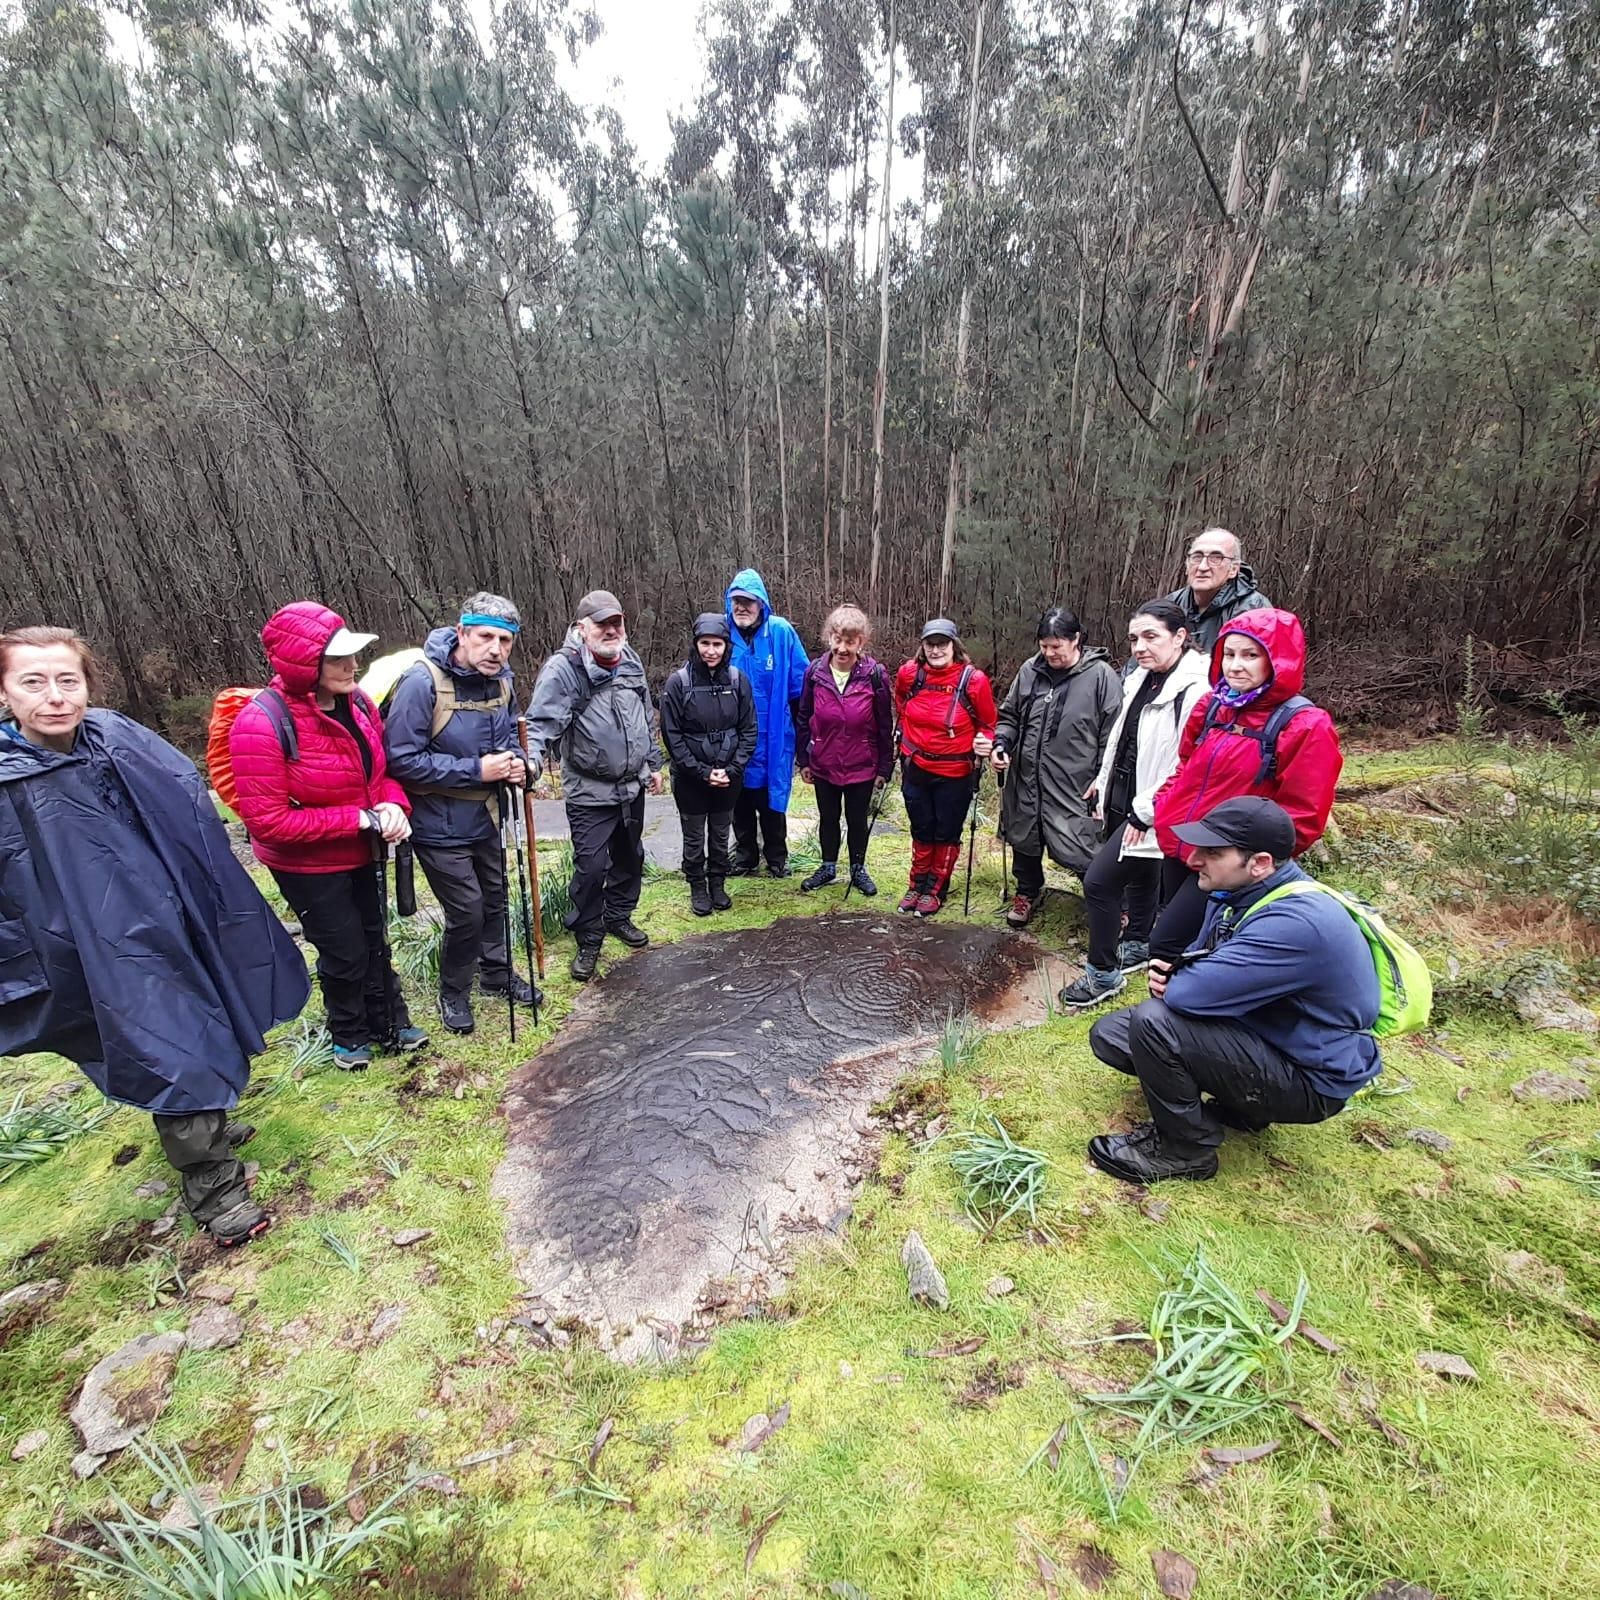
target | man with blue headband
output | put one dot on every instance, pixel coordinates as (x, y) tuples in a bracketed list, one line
[(451, 739)]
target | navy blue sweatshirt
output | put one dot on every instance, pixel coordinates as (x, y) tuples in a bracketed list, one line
[(1298, 972)]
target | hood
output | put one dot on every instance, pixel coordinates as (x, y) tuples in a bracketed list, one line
[(294, 639), (750, 582), (1086, 658), (1278, 633), (438, 647), (708, 625), (19, 759)]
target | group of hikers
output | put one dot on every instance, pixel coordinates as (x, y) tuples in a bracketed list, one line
[(1179, 787)]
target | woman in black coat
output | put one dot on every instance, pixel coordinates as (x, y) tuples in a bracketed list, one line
[(708, 720)]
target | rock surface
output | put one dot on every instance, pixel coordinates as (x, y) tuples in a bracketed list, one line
[(924, 1281), (1431, 1139), (1447, 1365), (215, 1327), (406, 1237), (22, 1306), (30, 1443), (125, 1392), (1552, 1087), (1543, 1007)]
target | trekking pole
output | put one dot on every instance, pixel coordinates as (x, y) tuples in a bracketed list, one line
[(522, 902), (533, 843), (872, 822), (505, 908), (380, 862), (972, 835), (1000, 830)]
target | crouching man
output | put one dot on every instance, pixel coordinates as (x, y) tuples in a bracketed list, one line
[(1264, 1020)]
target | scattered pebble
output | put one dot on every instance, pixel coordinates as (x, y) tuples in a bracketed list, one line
[(1547, 1008), (385, 1323), (86, 1463), (1552, 1087), (924, 1281), (404, 1238), (215, 1327), (1447, 1365), (440, 1483), (29, 1443), (219, 1294), (154, 1189), (998, 1288), (1431, 1139), (162, 1226)]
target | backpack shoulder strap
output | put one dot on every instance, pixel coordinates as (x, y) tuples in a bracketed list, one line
[(1282, 715), (276, 710), (919, 682)]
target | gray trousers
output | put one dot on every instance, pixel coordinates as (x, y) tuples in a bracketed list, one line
[(197, 1147), (469, 882)]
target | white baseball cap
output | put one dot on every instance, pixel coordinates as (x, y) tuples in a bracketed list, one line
[(346, 643)]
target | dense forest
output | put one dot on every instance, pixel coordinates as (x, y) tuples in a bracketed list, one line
[(351, 299)]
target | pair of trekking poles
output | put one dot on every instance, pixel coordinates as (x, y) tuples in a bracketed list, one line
[(517, 838)]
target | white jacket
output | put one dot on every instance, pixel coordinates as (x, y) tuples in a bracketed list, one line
[(1160, 728)]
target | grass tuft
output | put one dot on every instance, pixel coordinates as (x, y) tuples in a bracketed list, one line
[(1000, 1178)]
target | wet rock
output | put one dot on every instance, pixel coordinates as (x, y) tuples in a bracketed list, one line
[(998, 1288), (30, 1443), (924, 1281), (124, 1393), (1431, 1139), (406, 1237), (1551, 1087), (1547, 1008), (385, 1323), (219, 1294), (23, 1306), (215, 1327), (1446, 1365), (154, 1189)]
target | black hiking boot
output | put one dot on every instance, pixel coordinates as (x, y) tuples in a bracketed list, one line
[(861, 881), (238, 1225), (519, 989), (720, 900), (455, 1011), (699, 897), (779, 869), (745, 869), (1140, 1157), (239, 1133), (821, 878), (584, 963), (635, 938)]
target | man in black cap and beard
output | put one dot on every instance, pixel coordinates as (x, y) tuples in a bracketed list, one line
[(592, 695)]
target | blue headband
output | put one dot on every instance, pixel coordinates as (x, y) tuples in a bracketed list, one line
[(474, 620)]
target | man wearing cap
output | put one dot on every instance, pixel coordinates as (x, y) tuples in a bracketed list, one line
[(450, 736), (768, 651), (592, 695), (1267, 1014)]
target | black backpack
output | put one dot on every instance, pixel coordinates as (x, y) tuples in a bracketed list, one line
[(1265, 736)]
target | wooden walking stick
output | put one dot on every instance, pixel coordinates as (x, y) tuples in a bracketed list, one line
[(533, 845)]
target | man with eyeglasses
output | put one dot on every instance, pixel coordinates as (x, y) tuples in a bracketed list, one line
[(1220, 587)]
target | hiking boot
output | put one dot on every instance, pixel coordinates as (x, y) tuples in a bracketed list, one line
[(861, 880), (519, 989), (239, 1133), (352, 1058), (699, 898), (455, 1011), (407, 1041), (745, 869), (931, 901), (908, 901), (720, 900), (238, 1225), (584, 963), (821, 878), (1092, 989), (778, 869), (1133, 955), (635, 938), (1022, 908), (1139, 1157)]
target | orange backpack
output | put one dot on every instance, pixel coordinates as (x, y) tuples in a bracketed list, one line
[(224, 711)]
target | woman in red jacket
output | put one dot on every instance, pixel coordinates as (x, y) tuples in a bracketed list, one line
[(321, 811), (1253, 733), (947, 717)]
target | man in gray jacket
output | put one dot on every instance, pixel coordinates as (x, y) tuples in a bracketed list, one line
[(1220, 587), (592, 695)]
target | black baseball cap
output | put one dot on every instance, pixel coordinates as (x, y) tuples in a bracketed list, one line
[(1251, 823)]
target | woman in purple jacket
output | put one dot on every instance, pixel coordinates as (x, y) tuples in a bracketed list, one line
[(845, 741)]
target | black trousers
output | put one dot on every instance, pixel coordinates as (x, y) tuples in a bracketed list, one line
[(1177, 1058), (211, 1175), (1183, 911), (1029, 873), (856, 801), (608, 866), (340, 914), (936, 807), (705, 844), (469, 882), (753, 808), (1105, 886)]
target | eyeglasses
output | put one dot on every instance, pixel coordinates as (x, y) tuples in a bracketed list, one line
[(1209, 558)]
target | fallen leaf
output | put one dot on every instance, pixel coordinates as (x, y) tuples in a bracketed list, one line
[(962, 1347), (1236, 1457), (1047, 1575), (1447, 1365), (1175, 1574), (1052, 1451), (753, 1549), (1281, 1164), (1409, 1245), (761, 1427), (1301, 1414), (1386, 1428), (1462, 1093), (602, 1434), (1119, 1475), (1312, 1336), (1092, 1567)]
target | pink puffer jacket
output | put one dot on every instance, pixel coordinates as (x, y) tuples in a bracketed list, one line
[(305, 815)]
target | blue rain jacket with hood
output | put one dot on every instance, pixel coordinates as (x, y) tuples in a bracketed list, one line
[(775, 662), (132, 942)]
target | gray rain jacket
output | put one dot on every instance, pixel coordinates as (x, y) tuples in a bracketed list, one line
[(605, 720), (1054, 726)]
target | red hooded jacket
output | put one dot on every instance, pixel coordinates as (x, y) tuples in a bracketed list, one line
[(305, 815), (1224, 767)]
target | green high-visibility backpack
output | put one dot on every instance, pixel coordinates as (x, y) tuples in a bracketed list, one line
[(1405, 986)]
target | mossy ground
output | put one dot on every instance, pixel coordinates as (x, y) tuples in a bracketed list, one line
[(897, 1473)]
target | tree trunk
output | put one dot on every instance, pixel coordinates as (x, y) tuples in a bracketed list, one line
[(880, 387)]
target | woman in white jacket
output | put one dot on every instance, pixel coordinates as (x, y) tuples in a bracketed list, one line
[(1140, 756)]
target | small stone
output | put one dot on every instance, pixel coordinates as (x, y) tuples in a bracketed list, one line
[(124, 1393), (86, 1463), (1398, 1589), (1447, 1365), (1551, 1087), (560, 1338), (440, 1483), (22, 1306), (1588, 1065), (29, 1443), (1431, 1139), (181, 1515), (924, 1281), (468, 1185), (219, 1294), (406, 1237), (215, 1328), (998, 1288), (538, 1314), (846, 1370), (1547, 1008), (385, 1323), (154, 1189), (162, 1226)]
